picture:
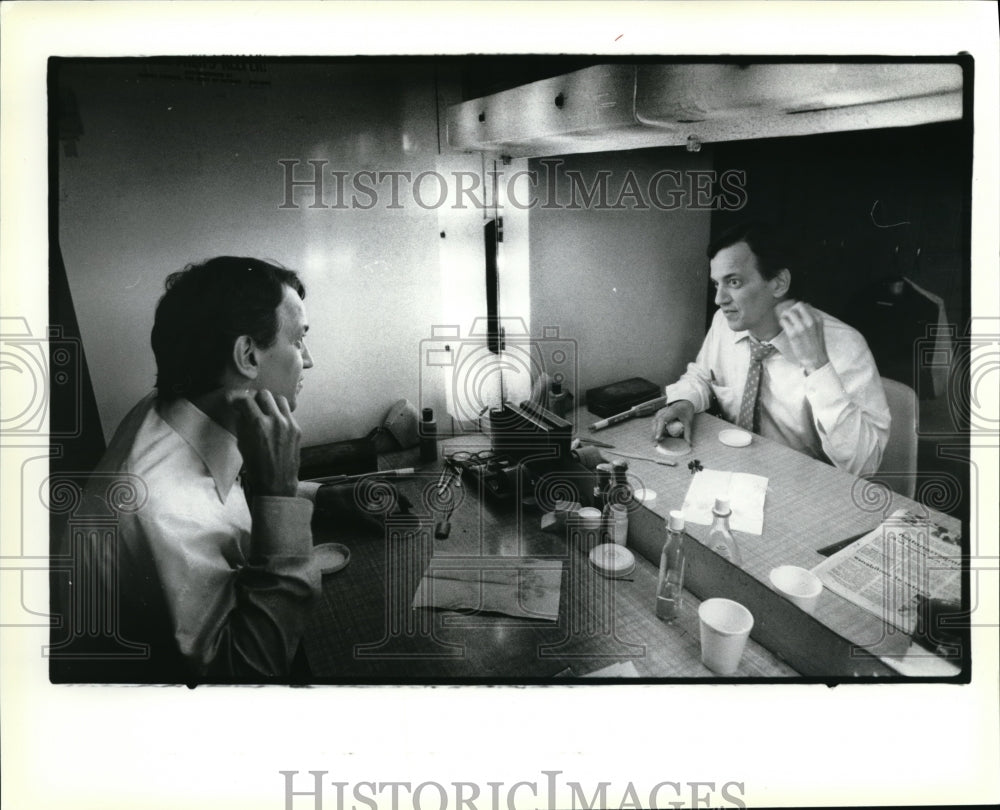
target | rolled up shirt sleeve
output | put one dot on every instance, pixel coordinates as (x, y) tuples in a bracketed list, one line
[(239, 613), (308, 490), (850, 411)]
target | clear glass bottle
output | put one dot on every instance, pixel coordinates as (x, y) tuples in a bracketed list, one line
[(602, 486), (720, 538), (619, 501), (619, 470), (602, 491), (618, 525), (671, 582)]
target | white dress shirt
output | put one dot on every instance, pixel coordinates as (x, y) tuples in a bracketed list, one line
[(838, 413), (235, 590)]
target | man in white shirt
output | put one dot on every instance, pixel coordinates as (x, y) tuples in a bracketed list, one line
[(819, 390), (217, 584)]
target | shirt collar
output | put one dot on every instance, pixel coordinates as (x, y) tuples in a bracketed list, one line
[(213, 443), (779, 341)]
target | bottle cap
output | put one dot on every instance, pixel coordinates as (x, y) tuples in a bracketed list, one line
[(556, 387), (721, 506), (428, 414), (676, 520)]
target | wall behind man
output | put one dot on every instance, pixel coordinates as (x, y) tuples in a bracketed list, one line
[(176, 162), (625, 284), (856, 207)]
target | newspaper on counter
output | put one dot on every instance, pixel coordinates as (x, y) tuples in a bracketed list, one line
[(888, 569)]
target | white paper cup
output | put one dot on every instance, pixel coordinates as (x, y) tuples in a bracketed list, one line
[(798, 585), (725, 627)]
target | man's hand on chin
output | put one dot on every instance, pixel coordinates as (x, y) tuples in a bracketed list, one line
[(804, 328)]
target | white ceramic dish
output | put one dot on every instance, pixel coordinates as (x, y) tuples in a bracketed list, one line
[(674, 447), (734, 437), (331, 557), (612, 560)]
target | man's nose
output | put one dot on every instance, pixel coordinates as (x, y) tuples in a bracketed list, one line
[(307, 360), (721, 296)]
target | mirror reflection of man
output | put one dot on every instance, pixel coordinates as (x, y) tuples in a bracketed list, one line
[(780, 367), (217, 582)]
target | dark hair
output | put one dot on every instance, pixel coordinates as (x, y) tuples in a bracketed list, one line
[(763, 239), (205, 308)]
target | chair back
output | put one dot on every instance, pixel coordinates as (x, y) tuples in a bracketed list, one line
[(899, 461)]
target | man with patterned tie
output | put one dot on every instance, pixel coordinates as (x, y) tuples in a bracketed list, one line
[(780, 367)]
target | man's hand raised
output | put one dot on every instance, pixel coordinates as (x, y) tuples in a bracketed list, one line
[(804, 328), (269, 438)]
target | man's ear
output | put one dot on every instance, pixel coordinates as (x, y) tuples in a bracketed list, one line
[(245, 357), (781, 282)]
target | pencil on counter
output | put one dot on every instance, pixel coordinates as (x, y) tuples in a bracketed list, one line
[(661, 461), (594, 442), (347, 479), (642, 409)]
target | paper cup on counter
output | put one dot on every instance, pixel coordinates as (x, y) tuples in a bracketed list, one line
[(798, 585), (725, 626)]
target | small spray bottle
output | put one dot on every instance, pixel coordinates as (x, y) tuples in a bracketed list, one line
[(720, 538)]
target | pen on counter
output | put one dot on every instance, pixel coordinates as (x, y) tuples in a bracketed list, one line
[(346, 479), (642, 409), (833, 548)]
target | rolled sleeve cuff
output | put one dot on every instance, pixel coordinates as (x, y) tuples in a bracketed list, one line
[(308, 490), (281, 526), (826, 395), (684, 390)]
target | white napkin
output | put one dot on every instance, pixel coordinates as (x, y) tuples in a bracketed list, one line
[(745, 492)]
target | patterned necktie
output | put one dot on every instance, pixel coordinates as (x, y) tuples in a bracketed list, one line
[(749, 409)]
